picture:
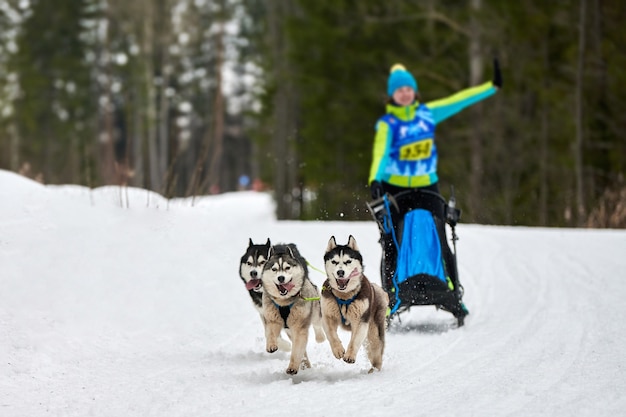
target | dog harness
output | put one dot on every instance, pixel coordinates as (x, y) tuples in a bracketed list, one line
[(341, 302), (344, 303), (284, 312)]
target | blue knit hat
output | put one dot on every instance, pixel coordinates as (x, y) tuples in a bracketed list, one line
[(400, 77)]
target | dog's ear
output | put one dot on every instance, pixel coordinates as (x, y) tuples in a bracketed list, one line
[(332, 244), (270, 252), (290, 249), (267, 243), (352, 243), (250, 242)]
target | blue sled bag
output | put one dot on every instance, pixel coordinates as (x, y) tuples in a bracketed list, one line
[(420, 250)]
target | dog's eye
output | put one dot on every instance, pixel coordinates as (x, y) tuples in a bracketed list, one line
[(348, 262), (249, 263), (262, 263), (287, 268), (334, 262)]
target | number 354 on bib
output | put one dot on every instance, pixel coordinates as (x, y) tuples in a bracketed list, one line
[(417, 150)]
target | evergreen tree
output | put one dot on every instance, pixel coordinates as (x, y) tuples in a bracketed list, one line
[(54, 108), (135, 88)]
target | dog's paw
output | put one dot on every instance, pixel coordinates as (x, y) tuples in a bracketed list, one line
[(339, 351), (376, 365), (272, 349), (349, 359), (291, 371)]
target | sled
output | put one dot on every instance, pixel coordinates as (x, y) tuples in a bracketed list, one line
[(418, 267)]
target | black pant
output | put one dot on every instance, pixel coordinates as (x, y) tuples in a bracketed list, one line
[(393, 189)]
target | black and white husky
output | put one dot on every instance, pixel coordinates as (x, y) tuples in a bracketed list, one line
[(250, 270), (351, 301), (291, 302)]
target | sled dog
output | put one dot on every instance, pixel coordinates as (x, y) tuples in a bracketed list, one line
[(250, 270), (290, 302), (350, 300)]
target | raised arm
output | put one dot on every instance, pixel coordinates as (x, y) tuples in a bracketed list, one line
[(449, 106)]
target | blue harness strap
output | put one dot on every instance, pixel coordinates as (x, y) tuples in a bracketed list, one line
[(344, 303)]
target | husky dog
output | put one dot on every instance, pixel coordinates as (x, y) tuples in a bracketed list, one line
[(250, 269), (349, 299), (290, 302)]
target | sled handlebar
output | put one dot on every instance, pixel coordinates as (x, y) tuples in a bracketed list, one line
[(408, 200), (419, 191)]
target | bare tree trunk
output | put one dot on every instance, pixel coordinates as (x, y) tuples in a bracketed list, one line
[(476, 76), (279, 139), (14, 148), (213, 138), (107, 161), (107, 154), (150, 97), (112, 172), (578, 149), (430, 22), (165, 33), (543, 148), (134, 17), (137, 139), (192, 187), (283, 145), (218, 114)]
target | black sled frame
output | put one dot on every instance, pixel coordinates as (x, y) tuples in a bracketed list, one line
[(421, 289)]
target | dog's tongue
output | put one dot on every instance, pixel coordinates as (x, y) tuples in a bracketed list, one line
[(288, 286), (342, 283), (354, 273), (252, 284)]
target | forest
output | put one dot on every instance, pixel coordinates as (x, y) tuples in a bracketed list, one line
[(198, 97)]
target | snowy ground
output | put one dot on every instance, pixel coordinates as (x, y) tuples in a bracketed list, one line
[(122, 304)]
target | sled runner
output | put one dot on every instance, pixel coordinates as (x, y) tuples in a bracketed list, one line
[(418, 267)]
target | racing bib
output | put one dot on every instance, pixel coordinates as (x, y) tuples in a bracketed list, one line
[(417, 150)]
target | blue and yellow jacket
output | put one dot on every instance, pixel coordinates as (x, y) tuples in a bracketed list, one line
[(405, 154)]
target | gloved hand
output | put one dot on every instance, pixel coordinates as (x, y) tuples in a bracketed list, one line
[(377, 189), (497, 75)]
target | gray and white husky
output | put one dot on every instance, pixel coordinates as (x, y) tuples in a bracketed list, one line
[(250, 270), (291, 302), (350, 300)]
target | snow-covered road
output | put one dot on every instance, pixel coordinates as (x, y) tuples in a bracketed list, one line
[(106, 311)]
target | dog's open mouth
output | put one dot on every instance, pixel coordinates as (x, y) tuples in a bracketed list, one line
[(284, 289), (253, 284), (342, 283)]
